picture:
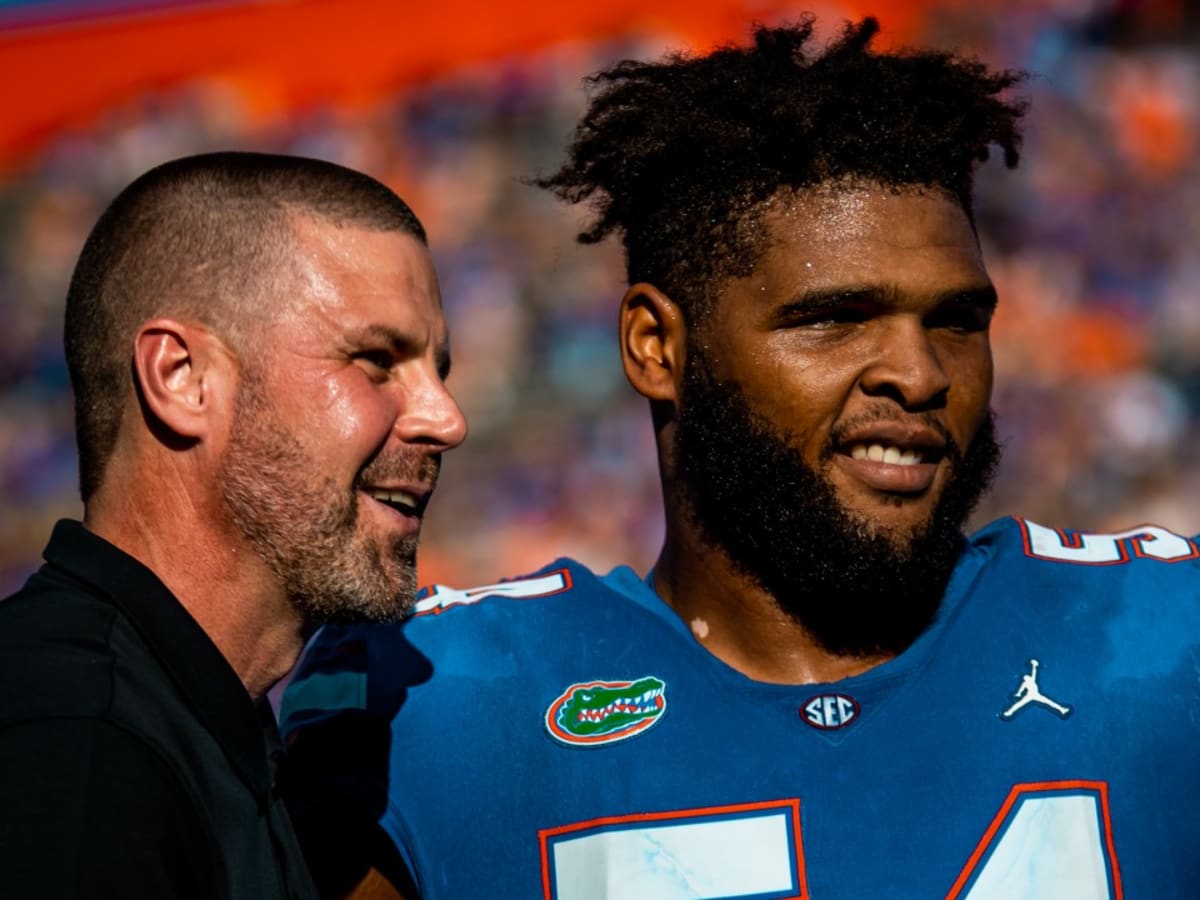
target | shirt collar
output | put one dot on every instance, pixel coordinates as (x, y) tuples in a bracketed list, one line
[(193, 662)]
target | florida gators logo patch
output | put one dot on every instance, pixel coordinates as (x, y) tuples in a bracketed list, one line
[(604, 712)]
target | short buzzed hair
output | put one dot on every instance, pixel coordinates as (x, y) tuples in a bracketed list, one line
[(201, 238)]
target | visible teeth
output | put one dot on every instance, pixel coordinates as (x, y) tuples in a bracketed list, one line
[(398, 498), (889, 454)]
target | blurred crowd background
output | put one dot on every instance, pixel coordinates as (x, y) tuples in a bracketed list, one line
[(1094, 243)]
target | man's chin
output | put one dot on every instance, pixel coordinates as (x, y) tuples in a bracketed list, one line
[(896, 519), (370, 606), (378, 588)]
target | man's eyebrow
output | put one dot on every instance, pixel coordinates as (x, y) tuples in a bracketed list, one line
[(382, 334), (984, 296), (816, 301)]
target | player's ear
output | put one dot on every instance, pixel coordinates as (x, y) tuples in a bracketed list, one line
[(183, 373), (653, 341)]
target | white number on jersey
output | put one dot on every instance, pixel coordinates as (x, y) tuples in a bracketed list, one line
[(746, 850), (1084, 548), (1048, 841), (442, 597)]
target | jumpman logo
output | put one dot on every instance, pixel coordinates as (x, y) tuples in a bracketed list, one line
[(1029, 692)]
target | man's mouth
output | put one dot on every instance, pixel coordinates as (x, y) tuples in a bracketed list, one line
[(892, 458), (401, 501), (886, 453)]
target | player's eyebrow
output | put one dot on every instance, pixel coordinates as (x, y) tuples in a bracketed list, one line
[(817, 301), (820, 300), (984, 297), (814, 304)]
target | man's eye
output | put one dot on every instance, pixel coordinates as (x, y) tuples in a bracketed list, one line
[(963, 318), (831, 318), (378, 359)]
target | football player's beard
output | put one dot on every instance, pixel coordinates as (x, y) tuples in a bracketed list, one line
[(855, 590)]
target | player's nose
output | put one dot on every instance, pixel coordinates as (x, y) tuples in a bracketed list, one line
[(907, 366)]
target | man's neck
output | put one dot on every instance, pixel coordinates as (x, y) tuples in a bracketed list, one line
[(740, 623), (218, 579)]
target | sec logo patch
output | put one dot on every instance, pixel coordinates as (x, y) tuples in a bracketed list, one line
[(829, 711)]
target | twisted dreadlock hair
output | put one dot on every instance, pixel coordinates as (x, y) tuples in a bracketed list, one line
[(679, 156)]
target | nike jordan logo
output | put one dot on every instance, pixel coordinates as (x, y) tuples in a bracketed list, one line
[(1028, 692)]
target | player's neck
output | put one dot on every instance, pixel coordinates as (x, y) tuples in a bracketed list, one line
[(738, 622)]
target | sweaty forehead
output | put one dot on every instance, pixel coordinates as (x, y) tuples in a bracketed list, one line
[(325, 249), (834, 213), (862, 235), (346, 283), (335, 264), (910, 244)]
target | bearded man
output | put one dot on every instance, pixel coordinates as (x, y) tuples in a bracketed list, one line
[(258, 354), (823, 688)]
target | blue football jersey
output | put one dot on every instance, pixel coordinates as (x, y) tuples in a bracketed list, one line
[(565, 736)]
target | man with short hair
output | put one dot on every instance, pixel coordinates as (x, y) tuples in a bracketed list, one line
[(258, 354), (812, 692)]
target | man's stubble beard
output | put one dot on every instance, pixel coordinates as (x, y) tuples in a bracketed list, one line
[(856, 590), (305, 527)]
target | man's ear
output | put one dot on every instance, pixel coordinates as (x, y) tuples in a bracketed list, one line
[(653, 342), (180, 374)]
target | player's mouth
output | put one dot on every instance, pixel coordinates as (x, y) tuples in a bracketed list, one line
[(893, 459), (889, 453)]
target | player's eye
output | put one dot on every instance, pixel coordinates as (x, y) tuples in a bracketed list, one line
[(829, 312), (825, 317), (840, 315), (963, 317)]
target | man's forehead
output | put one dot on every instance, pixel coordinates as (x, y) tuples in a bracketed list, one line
[(356, 284), (350, 257), (836, 238), (845, 210), (352, 243)]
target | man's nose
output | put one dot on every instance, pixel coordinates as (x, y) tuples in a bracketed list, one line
[(430, 415), (907, 367)]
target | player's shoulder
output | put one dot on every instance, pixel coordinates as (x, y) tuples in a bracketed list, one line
[(563, 581), (446, 617), (468, 631), (1140, 553)]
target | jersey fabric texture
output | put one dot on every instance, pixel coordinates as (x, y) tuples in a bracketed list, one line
[(566, 736), (133, 763)]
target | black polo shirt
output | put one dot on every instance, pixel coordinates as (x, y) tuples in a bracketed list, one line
[(133, 763)]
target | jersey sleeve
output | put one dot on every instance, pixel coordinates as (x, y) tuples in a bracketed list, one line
[(338, 738), (92, 811), (381, 722)]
